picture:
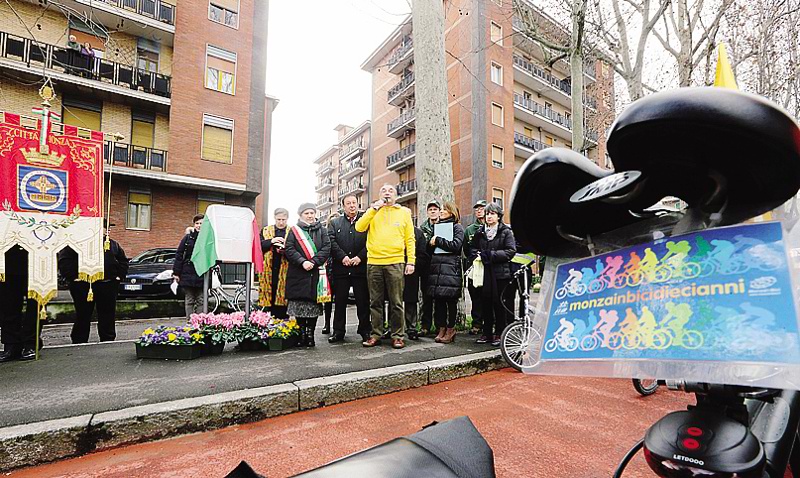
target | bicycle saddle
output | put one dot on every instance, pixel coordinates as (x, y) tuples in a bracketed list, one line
[(729, 151)]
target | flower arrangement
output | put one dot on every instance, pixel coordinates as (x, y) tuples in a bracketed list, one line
[(163, 335), (219, 328), (262, 327)]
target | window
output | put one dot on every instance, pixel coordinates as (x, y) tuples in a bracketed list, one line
[(147, 61), (220, 70), (498, 197), (548, 140), (217, 139), (497, 74), (143, 127), (82, 114), (548, 106), (497, 114), (527, 95), (139, 208), (528, 131), (497, 156), (225, 12), (497, 34), (205, 199)]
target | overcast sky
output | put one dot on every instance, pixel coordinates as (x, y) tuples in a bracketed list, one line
[(314, 54)]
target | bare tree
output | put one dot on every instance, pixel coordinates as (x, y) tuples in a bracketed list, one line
[(688, 33), (623, 28), (562, 46)]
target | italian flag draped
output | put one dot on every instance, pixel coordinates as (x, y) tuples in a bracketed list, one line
[(229, 234), (310, 250)]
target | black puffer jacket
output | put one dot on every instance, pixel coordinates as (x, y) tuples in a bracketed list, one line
[(444, 277), (495, 254), (411, 288), (183, 266), (300, 283)]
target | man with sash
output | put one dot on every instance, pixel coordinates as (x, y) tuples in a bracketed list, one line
[(391, 255), (272, 282), (307, 287)]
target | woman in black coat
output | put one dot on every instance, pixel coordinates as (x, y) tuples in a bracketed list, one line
[(183, 270), (494, 244), (444, 277), (303, 275)]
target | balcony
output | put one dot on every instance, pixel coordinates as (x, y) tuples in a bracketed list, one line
[(61, 63), (402, 56), (353, 149), (325, 168), (546, 118), (355, 188), (400, 125), (541, 52), (401, 91), (524, 146), (137, 157), (407, 190), (323, 186), (325, 202), (401, 159), (352, 169), (542, 81)]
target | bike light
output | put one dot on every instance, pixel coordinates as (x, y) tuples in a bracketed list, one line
[(690, 444)]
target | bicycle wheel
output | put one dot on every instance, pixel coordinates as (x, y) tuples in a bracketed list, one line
[(661, 339), (615, 341), (519, 344), (662, 274), (579, 289), (619, 281), (692, 339), (630, 341), (589, 343), (691, 270), (213, 301), (551, 345), (572, 344), (597, 285), (561, 293), (645, 386)]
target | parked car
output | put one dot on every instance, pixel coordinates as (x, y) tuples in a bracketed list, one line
[(149, 275)]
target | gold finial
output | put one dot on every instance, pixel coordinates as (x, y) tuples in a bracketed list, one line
[(118, 137), (47, 93)]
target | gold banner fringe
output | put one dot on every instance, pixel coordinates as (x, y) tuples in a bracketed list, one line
[(3, 277), (91, 279)]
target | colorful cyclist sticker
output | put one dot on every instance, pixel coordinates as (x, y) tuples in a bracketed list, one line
[(721, 294)]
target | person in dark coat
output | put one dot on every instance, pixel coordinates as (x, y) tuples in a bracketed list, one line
[(433, 209), (17, 329), (445, 279), (411, 287), (328, 307), (184, 273), (349, 254), (305, 303), (104, 293), (272, 282), (494, 244)]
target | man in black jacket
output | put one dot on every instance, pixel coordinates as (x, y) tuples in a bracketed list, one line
[(18, 328), (349, 254), (411, 289), (115, 268)]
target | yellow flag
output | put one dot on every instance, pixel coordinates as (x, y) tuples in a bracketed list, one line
[(724, 78)]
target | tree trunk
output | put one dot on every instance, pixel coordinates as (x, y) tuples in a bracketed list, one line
[(433, 163), (576, 70)]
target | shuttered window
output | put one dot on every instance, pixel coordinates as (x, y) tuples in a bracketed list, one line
[(497, 156), (142, 133), (220, 70), (217, 139), (205, 199), (81, 117)]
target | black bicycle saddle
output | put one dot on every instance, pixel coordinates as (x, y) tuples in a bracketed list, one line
[(540, 203), (697, 144)]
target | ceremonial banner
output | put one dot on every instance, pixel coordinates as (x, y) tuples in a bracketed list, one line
[(719, 294), (51, 197)]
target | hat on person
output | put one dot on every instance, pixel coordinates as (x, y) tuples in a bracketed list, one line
[(306, 206), (480, 203), (434, 202)]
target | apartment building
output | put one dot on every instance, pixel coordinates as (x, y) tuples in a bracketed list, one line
[(505, 102), (344, 169), (182, 83)]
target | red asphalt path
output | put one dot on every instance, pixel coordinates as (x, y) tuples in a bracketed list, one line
[(537, 426)]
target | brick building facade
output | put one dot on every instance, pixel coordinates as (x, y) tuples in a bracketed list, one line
[(182, 83), (505, 103)]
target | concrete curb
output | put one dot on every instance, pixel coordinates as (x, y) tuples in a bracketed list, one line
[(42, 442)]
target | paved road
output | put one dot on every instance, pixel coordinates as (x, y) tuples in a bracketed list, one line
[(548, 427), (77, 380)]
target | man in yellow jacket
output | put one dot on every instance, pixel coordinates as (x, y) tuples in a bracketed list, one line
[(390, 240)]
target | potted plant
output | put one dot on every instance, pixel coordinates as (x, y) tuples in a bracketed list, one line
[(175, 343), (217, 330), (274, 333)]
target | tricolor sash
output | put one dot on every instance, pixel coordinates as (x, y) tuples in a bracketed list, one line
[(310, 250)]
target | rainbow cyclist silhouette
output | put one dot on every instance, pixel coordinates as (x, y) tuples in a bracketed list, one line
[(675, 265), (609, 276), (645, 270), (562, 338), (602, 332), (629, 329), (674, 323), (573, 286)]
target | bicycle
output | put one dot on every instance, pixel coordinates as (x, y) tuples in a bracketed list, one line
[(645, 386), (691, 136), (521, 339), (235, 301)]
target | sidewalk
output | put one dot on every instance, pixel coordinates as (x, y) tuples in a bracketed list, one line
[(75, 385)]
